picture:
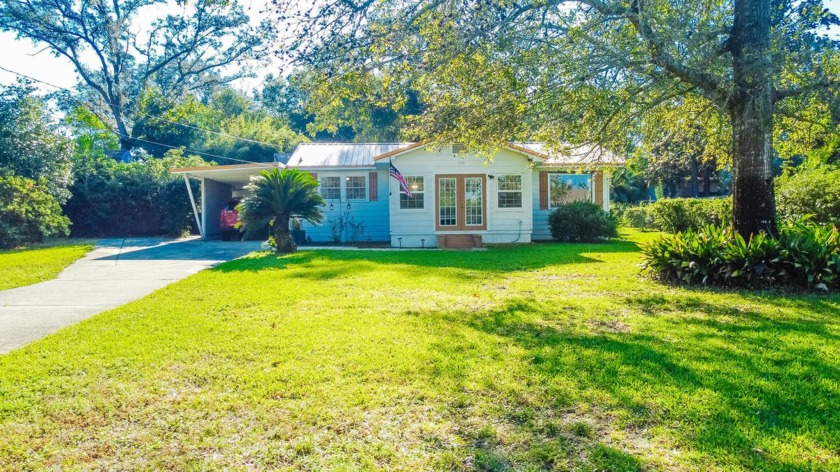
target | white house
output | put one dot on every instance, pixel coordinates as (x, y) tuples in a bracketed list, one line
[(456, 199)]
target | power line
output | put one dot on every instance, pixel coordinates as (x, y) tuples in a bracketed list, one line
[(127, 108), (208, 154)]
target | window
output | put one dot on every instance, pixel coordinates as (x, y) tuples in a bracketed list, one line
[(331, 188), (510, 191), (356, 189), (565, 188), (415, 201)]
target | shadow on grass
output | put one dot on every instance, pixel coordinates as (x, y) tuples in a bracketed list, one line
[(723, 390), (325, 264)]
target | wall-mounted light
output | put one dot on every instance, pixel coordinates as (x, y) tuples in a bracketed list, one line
[(491, 176), (331, 206), (348, 207), (423, 243)]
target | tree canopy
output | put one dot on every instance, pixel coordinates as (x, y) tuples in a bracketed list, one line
[(588, 71), (119, 63), (32, 144)]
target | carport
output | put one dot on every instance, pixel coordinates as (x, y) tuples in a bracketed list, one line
[(218, 185)]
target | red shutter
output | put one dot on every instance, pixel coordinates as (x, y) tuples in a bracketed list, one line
[(543, 190), (373, 186), (598, 177)]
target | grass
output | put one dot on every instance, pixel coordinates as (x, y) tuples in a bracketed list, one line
[(545, 357), (29, 266)]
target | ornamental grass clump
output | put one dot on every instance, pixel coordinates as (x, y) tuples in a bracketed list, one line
[(802, 256)]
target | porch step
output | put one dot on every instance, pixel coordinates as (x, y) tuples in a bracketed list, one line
[(459, 241)]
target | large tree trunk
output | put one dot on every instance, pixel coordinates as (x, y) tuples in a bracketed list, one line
[(751, 112)]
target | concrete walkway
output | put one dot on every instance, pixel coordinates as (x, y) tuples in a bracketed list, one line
[(116, 272)]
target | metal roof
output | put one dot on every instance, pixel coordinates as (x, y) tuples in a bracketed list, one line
[(569, 155), (235, 174), (340, 154)]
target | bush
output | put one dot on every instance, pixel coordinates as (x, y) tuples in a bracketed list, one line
[(116, 199), (28, 213), (679, 214), (637, 217), (812, 192), (581, 222), (804, 256)]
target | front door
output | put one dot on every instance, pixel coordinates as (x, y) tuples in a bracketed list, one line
[(461, 202)]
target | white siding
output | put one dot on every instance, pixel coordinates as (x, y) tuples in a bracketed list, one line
[(504, 225)]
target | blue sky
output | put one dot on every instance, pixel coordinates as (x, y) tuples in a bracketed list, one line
[(23, 57)]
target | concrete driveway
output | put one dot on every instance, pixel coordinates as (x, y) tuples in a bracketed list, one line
[(116, 272)]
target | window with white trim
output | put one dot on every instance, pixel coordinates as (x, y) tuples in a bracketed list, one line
[(331, 188), (356, 187), (509, 189), (418, 189)]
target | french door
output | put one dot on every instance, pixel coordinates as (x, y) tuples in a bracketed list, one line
[(461, 202)]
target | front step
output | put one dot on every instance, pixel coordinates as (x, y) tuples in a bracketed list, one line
[(459, 241)]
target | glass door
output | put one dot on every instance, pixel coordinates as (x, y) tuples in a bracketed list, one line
[(461, 202), (474, 201), (447, 202)]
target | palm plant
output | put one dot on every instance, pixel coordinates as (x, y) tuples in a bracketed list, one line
[(274, 198)]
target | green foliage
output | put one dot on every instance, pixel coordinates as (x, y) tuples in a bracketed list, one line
[(28, 213), (360, 106), (678, 214), (31, 144), (581, 222), (121, 50), (274, 198), (804, 256), (229, 124), (636, 217), (117, 199), (812, 193)]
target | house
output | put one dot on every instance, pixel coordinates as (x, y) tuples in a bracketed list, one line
[(456, 199)]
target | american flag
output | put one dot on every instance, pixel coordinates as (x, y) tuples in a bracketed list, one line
[(403, 184)]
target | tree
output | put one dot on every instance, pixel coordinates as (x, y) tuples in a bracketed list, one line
[(28, 213), (228, 126), (117, 65), (274, 199), (32, 145), (587, 70), (359, 108)]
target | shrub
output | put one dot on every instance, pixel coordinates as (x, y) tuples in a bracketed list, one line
[(116, 199), (581, 222), (812, 192), (638, 217), (804, 256), (679, 214), (28, 213)]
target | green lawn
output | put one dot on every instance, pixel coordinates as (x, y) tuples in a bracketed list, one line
[(529, 358), (21, 267)]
